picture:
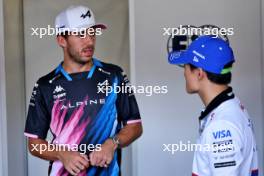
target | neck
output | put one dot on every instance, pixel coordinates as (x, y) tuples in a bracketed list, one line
[(71, 66), (209, 92)]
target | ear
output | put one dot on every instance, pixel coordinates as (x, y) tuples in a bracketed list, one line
[(61, 41), (201, 74)]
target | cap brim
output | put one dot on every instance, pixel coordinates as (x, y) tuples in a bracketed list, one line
[(177, 58), (96, 25), (81, 28), (100, 25)]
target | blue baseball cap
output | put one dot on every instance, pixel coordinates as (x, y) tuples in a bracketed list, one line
[(207, 52)]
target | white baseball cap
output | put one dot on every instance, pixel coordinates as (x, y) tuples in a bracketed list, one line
[(76, 18)]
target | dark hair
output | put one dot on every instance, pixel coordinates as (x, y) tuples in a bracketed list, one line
[(221, 79), (64, 34)]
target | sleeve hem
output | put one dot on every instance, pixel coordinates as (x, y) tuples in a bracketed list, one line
[(134, 121), (31, 135)]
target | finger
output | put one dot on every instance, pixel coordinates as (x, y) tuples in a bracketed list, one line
[(73, 173), (92, 159), (106, 163), (109, 160), (74, 170), (84, 162), (97, 158), (70, 171), (85, 157), (79, 165), (102, 162)]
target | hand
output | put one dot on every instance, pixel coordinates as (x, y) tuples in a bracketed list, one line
[(105, 156), (73, 161)]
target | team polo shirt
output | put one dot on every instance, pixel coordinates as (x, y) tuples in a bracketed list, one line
[(77, 110), (226, 134)]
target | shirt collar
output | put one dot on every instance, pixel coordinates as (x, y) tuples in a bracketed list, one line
[(60, 69), (222, 97)]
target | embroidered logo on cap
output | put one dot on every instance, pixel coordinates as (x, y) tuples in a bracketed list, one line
[(88, 14)]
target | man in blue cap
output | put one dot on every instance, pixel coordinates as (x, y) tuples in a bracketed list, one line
[(226, 138)]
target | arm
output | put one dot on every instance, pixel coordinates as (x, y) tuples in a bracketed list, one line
[(73, 161), (37, 125), (36, 147), (128, 114), (126, 136), (129, 133)]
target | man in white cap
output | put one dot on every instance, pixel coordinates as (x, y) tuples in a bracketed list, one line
[(71, 103)]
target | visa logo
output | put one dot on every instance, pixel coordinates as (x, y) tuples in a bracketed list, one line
[(222, 134)]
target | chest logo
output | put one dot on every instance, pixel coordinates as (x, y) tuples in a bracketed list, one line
[(222, 134), (59, 92)]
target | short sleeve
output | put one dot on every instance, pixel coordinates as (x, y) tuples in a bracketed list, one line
[(38, 118), (226, 146), (127, 107)]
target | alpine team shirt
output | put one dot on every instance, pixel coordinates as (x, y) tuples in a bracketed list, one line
[(226, 133), (83, 108)]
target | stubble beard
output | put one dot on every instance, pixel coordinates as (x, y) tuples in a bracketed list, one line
[(75, 57)]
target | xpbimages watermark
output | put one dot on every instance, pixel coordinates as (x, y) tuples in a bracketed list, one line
[(127, 88), (82, 148), (217, 147), (190, 30), (50, 31)]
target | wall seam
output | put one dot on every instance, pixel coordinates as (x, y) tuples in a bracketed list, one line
[(24, 86), (132, 51), (262, 68), (3, 119)]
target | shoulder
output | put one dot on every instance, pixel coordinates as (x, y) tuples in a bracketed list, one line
[(225, 120), (46, 80), (113, 70), (232, 112), (111, 67)]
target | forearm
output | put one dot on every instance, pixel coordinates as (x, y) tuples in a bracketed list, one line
[(40, 148), (125, 137), (129, 133)]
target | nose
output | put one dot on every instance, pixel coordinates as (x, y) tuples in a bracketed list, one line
[(90, 39)]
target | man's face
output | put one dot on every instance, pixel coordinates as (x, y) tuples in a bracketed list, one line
[(191, 78), (80, 48)]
